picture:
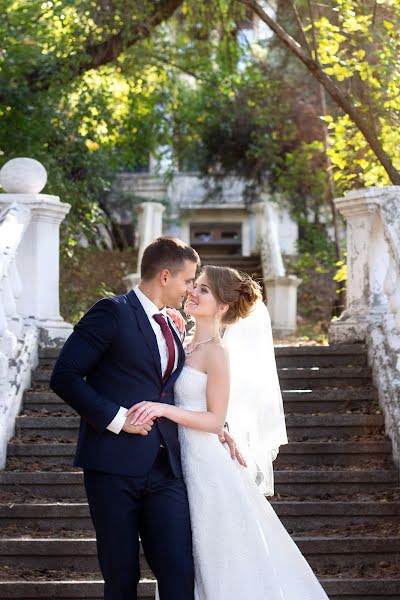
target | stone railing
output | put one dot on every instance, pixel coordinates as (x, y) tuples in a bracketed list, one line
[(29, 282), (14, 222), (372, 312)]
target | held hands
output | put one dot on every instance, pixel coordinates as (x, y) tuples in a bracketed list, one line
[(143, 413), (137, 429)]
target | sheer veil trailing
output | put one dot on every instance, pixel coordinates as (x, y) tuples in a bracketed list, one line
[(255, 414)]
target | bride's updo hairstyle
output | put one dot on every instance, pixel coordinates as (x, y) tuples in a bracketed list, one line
[(234, 288)]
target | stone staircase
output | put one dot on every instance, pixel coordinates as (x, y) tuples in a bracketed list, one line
[(248, 264), (336, 486)]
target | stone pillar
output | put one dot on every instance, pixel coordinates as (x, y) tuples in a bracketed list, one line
[(149, 228), (360, 209), (37, 259), (149, 224), (281, 289), (281, 295), (267, 237), (246, 238), (184, 233)]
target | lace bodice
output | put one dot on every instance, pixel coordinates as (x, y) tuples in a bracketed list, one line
[(190, 389)]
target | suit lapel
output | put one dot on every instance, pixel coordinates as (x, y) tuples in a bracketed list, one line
[(178, 342), (146, 329), (181, 357)]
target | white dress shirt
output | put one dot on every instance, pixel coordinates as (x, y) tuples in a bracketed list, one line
[(150, 309)]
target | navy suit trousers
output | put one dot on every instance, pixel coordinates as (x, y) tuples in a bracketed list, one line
[(154, 506)]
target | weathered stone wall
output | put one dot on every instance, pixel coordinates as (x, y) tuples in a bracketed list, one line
[(373, 292), (192, 199)]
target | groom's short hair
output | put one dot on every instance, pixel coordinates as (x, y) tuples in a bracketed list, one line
[(166, 253)]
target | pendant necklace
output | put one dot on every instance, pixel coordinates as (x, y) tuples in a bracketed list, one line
[(187, 352)]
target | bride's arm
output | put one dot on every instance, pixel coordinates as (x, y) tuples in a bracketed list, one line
[(211, 420)]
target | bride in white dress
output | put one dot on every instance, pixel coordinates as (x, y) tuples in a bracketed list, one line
[(240, 548)]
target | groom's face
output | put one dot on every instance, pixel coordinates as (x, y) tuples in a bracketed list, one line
[(179, 285)]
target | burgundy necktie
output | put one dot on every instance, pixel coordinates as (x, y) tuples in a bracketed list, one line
[(169, 338)]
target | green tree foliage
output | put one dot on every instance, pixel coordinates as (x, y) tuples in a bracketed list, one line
[(90, 88), (78, 93)]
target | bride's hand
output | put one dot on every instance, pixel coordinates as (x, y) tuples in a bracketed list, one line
[(177, 319), (143, 412), (225, 437)]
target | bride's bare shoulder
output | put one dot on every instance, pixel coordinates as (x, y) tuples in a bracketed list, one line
[(217, 357)]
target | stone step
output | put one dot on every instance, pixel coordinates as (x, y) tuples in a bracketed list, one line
[(300, 427), (290, 378), (58, 553), (45, 400), (300, 401), (335, 453), (80, 554), (319, 350), (327, 400), (326, 484), (46, 516), (351, 355), (333, 427), (316, 349), (295, 515), (305, 515), (301, 453), (77, 589), (55, 453), (316, 483), (337, 589), (361, 589), (248, 264), (312, 378)]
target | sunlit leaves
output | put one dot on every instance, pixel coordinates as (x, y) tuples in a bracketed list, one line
[(359, 46)]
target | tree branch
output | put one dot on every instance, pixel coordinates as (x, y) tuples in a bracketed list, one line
[(300, 26), (341, 98), (314, 37)]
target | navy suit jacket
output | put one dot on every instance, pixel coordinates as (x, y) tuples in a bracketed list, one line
[(110, 360)]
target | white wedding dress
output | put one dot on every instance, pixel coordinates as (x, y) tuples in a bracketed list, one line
[(240, 548)]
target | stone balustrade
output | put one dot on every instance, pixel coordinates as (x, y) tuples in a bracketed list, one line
[(29, 282), (372, 313)]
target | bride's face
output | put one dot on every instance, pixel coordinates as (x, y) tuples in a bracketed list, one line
[(200, 301)]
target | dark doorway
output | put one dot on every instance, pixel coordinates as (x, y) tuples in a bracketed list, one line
[(219, 239)]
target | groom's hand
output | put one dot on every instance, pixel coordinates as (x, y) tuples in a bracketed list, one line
[(225, 437), (137, 429)]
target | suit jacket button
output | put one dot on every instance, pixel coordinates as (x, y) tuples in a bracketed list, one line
[(162, 394)]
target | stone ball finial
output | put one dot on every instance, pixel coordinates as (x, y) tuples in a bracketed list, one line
[(23, 176)]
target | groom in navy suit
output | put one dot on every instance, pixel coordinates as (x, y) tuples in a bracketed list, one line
[(125, 350)]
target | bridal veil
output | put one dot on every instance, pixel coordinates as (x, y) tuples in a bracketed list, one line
[(255, 414)]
